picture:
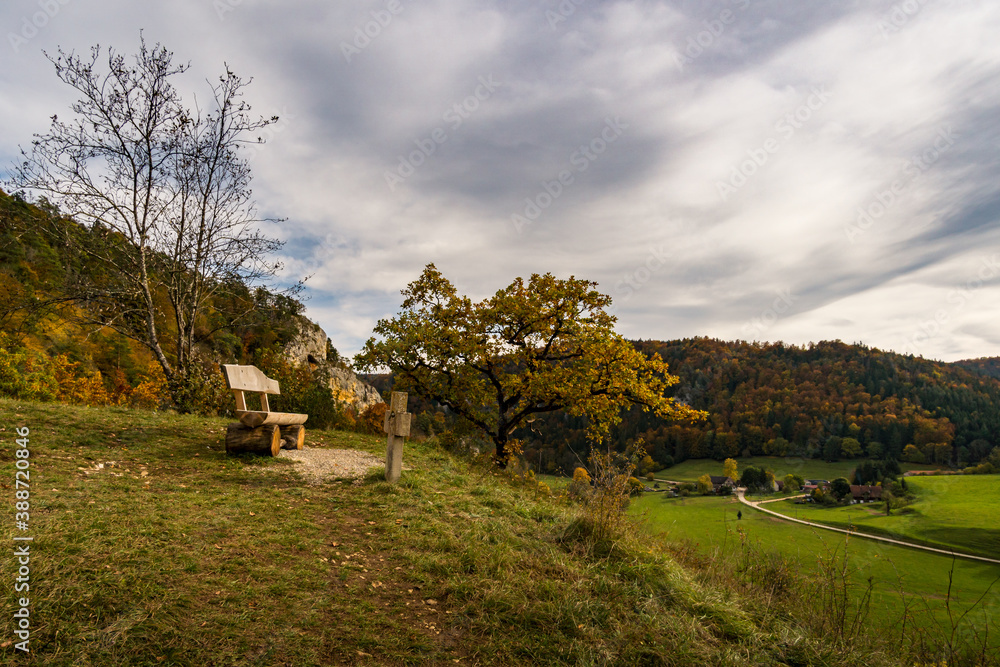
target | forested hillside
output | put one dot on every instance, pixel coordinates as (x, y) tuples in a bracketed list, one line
[(985, 365), (53, 347), (828, 400)]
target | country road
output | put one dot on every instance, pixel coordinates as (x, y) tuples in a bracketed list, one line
[(854, 533)]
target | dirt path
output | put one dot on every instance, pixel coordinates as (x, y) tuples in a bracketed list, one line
[(319, 464), (854, 533)]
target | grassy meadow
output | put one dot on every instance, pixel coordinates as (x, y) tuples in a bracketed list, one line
[(153, 547), (909, 585), (691, 469), (950, 512)]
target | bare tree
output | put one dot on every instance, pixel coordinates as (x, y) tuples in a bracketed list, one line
[(164, 191)]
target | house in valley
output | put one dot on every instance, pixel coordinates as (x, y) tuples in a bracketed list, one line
[(865, 493), (720, 482)]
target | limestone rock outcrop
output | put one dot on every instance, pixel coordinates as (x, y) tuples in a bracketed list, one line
[(309, 346), (346, 387)]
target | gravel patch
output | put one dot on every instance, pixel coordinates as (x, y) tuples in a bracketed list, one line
[(320, 465)]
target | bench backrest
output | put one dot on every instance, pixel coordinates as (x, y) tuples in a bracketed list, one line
[(249, 378)]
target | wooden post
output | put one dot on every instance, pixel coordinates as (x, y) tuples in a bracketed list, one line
[(397, 427)]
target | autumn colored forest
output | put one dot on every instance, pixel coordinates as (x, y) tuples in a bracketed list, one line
[(50, 349), (827, 400)]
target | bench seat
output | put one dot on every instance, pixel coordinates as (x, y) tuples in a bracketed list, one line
[(255, 418)]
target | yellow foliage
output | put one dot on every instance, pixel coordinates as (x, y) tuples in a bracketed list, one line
[(581, 475), (152, 392), (705, 484), (76, 387), (25, 374)]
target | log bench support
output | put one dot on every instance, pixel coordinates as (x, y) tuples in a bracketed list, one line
[(260, 431)]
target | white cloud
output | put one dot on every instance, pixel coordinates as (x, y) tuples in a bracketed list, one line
[(654, 193)]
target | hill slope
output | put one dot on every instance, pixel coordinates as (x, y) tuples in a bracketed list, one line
[(48, 352), (985, 365), (152, 546), (812, 401)]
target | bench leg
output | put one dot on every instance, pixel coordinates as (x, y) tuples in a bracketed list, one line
[(293, 437), (263, 440)]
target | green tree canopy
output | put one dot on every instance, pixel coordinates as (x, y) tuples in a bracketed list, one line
[(533, 347), (840, 488), (850, 448), (754, 478)]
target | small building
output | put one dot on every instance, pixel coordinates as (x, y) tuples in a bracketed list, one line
[(813, 484), (719, 482), (865, 493)]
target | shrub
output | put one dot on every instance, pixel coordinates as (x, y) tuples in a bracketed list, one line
[(151, 393), (579, 488), (635, 487), (604, 510), (705, 484), (26, 374)]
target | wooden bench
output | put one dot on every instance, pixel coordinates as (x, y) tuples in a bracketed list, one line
[(260, 431)]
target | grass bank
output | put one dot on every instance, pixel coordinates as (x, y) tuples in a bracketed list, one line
[(910, 588), (691, 469), (949, 512), (153, 547)]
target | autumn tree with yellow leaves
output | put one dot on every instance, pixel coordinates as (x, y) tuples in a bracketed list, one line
[(533, 347)]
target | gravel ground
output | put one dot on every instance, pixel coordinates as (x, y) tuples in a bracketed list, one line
[(320, 465)]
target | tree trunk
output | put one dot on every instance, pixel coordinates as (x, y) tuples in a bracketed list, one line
[(293, 437), (500, 454), (263, 440)]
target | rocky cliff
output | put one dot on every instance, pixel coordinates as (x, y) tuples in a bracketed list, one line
[(311, 346)]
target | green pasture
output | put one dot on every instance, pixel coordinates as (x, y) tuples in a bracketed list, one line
[(950, 512), (907, 583), (692, 469)]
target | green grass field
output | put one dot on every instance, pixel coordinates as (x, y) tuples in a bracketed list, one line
[(152, 546), (692, 469), (950, 512), (907, 582)]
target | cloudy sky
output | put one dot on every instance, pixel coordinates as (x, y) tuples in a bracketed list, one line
[(742, 169)]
